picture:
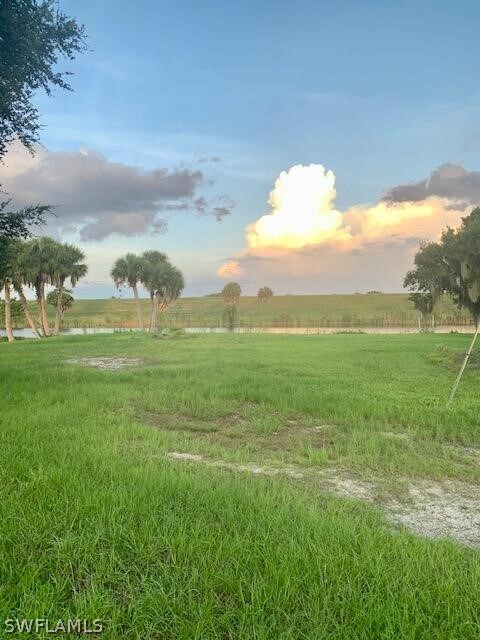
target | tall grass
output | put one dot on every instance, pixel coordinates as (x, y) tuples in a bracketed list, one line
[(96, 522), (356, 310)]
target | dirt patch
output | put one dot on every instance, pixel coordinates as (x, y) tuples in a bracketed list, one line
[(468, 453), (447, 509), (233, 428), (348, 487), (323, 427), (250, 467), (438, 510), (107, 364), (181, 422)]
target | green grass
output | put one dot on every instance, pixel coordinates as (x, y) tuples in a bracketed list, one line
[(96, 521), (358, 310)]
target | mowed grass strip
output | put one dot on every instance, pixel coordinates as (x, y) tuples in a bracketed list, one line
[(96, 522)]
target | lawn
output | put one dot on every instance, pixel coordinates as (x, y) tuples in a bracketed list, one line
[(239, 486), (356, 310)]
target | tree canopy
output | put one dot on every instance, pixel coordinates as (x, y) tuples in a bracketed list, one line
[(162, 280), (16, 224), (65, 297), (462, 258), (429, 279), (451, 266), (231, 292), (33, 36), (38, 263), (264, 294)]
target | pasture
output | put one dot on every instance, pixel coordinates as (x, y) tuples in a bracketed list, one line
[(242, 486), (336, 310)]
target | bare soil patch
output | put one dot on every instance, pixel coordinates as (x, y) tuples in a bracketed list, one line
[(230, 429), (449, 509), (107, 363)]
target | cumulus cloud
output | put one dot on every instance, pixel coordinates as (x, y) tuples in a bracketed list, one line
[(303, 214), (98, 197), (230, 269), (302, 211), (304, 235)]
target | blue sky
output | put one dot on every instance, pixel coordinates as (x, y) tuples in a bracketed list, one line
[(382, 93)]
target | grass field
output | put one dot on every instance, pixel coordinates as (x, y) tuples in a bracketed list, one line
[(357, 310), (214, 489)]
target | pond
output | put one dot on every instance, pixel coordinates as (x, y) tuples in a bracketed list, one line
[(75, 331)]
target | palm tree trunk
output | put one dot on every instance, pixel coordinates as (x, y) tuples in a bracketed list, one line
[(58, 312), (26, 311), (137, 304), (153, 315), (8, 313), (43, 310)]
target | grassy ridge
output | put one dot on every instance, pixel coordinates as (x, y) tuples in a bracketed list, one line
[(96, 522), (309, 311)]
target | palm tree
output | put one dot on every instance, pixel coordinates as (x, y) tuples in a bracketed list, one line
[(163, 281), (66, 300), (231, 293), (153, 262), (7, 253), (8, 309), (67, 265), (22, 274), (42, 255), (128, 270), (264, 294)]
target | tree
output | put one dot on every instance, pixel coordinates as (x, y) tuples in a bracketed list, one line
[(451, 266), (231, 293), (461, 249), (16, 224), (428, 280), (7, 304), (230, 316), (62, 300), (264, 294), (7, 257), (128, 270), (67, 264), (33, 36), (163, 281), (462, 256), (20, 275), (41, 256), (14, 313), (153, 263)]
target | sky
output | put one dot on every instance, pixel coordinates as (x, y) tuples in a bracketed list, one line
[(304, 146)]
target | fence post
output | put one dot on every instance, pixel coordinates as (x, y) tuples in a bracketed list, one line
[(465, 360)]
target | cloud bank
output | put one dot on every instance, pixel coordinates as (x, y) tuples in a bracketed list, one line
[(305, 234), (98, 198), (449, 181), (303, 213)]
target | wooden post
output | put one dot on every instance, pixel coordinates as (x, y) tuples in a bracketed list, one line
[(465, 360)]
